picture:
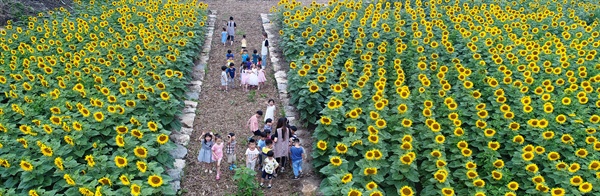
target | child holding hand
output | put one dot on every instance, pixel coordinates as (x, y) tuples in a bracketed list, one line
[(217, 154)]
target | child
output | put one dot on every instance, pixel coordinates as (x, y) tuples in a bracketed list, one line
[(230, 59), (261, 75), (270, 112), (251, 154), (224, 78), (267, 148), (217, 154), (261, 144), (259, 62), (230, 151), (224, 36), (255, 56), (205, 154), (253, 77), (268, 125), (297, 155), (244, 78), (243, 43), (231, 75), (229, 55), (293, 135), (245, 56), (268, 169)]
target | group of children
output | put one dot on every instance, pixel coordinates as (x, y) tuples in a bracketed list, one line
[(251, 70), (260, 151)]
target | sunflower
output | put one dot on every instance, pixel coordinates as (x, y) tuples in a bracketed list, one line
[(440, 139), (46, 151), (346, 178), (532, 167), (69, 180), (322, 145), (165, 96), (325, 120), (135, 190), (26, 166), (370, 171), (406, 159), (90, 160), (120, 161), (581, 153), (155, 180), (566, 138), (140, 152), (59, 163), (435, 153), (493, 145), (406, 191), (341, 148), (124, 180), (594, 165), (518, 139), (576, 180), (137, 133), (471, 174), (448, 191), (440, 175), (162, 139), (406, 146), (513, 185), (105, 181), (497, 175), (557, 191), (120, 141), (354, 192), (99, 116), (152, 126), (585, 187)]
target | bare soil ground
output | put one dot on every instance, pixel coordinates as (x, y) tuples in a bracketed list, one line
[(224, 112), (16, 10)]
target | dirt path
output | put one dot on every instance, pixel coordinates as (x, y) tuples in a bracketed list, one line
[(224, 112)]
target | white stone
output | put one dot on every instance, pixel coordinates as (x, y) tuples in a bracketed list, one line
[(282, 87), (188, 120), (180, 139), (192, 104), (186, 131), (179, 152), (179, 164), (308, 188), (280, 75), (175, 174), (176, 185)]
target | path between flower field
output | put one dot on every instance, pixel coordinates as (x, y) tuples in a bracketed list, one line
[(224, 112)]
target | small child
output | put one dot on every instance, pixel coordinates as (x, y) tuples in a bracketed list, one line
[(268, 147), (270, 112), (293, 130), (261, 144), (268, 125), (229, 55), (297, 155), (245, 56), (224, 78), (261, 75), (268, 169), (224, 36), (205, 153), (259, 61), (230, 59), (230, 151), (255, 57), (231, 75), (243, 43), (251, 154), (217, 154)]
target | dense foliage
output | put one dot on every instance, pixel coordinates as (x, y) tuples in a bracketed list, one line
[(448, 97), (90, 97)]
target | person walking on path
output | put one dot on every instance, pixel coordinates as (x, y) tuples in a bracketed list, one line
[(281, 138), (231, 30), (252, 124), (265, 50)]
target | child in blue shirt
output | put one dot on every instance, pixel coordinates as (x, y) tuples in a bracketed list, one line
[(245, 56), (229, 55), (255, 57), (231, 73), (297, 155), (224, 36)]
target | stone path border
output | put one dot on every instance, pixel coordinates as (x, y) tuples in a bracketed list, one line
[(291, 113), (182, 137)]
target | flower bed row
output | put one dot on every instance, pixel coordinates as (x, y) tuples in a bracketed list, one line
[(90, 96), (448, 98)]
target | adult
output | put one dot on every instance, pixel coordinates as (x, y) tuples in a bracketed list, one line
[(252, 124), (281, 140), (264, 51), (231, 29)]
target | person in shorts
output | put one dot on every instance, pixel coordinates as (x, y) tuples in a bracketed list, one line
[(230, 151), (268, 169)]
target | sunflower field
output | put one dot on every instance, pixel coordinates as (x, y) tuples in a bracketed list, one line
[(448, 97), (91, 95)]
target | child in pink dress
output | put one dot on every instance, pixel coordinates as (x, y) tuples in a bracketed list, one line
[(217, 154), (261, 75)]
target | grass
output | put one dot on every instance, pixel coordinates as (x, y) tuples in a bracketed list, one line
[(282, 110), (252, 96)]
